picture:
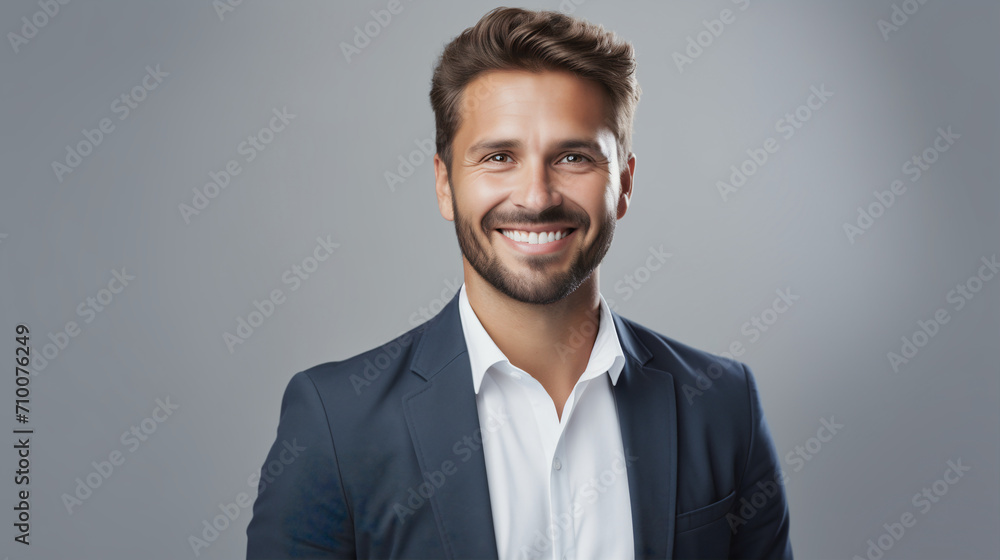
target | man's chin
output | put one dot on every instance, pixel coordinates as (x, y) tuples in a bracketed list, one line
[(533, 270), (532, 287)]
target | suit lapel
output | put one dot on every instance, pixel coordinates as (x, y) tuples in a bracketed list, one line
[(443, 414), (647, 415), (443, 421)]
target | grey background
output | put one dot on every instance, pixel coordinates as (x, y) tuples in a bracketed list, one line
[(324, 176)]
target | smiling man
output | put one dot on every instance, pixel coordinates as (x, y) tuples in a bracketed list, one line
[(527, 419)]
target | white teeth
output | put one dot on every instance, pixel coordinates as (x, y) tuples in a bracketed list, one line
[(535, 238)]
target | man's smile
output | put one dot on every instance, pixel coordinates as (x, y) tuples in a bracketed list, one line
[(537, 242)]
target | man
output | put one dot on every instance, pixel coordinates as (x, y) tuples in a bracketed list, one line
[(526, 419)]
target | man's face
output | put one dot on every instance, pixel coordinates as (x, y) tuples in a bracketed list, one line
[(533, 156)]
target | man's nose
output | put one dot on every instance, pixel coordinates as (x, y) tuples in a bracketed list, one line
[(536, 190)]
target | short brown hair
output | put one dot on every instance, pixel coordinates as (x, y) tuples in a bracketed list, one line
[(518, 39)]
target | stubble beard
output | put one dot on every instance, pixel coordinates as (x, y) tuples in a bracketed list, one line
[(545, 285)]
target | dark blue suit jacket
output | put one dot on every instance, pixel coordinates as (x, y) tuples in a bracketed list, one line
[(380, 456)]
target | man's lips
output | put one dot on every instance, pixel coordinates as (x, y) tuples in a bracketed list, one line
[(548, 241), (556, 226), (545, 235)]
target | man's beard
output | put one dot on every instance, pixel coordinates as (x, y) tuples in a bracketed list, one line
[(542, 289)]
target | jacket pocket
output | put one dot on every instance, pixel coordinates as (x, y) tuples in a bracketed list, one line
[(705, 515)]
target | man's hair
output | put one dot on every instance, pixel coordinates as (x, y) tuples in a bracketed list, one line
[(517, 39)]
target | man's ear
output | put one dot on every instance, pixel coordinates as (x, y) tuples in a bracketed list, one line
[(628, 171), (443, 189)]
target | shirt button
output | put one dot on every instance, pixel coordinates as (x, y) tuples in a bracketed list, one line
[(556, 464)]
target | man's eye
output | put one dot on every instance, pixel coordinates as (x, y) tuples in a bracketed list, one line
[(494, 158), (579, 158)]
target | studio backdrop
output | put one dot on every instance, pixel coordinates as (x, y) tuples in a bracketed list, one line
[(200, 199)]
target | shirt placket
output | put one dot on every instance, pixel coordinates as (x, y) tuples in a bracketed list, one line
[(562, 519)]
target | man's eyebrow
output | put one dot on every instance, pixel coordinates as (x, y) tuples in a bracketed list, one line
[(490, 145), (580, 145), (511, 144)]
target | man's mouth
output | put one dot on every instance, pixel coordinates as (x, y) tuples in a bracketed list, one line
[(535, 238)]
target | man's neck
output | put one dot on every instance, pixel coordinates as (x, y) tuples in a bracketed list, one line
[(550, 342)]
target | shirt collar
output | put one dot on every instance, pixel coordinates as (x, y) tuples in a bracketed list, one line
[(606, 356)]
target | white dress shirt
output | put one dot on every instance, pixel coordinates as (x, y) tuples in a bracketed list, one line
[(558, 487)]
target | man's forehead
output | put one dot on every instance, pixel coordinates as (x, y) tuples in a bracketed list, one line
[(500, 104), (490, 83)]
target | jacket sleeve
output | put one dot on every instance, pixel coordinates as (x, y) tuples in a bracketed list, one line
[(301, 510), (760, 519)]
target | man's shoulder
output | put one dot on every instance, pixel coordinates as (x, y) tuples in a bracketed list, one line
[(695, 371), (711, 393), (377, 367)]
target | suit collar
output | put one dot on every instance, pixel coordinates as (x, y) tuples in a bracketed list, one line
[(646, 406)]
